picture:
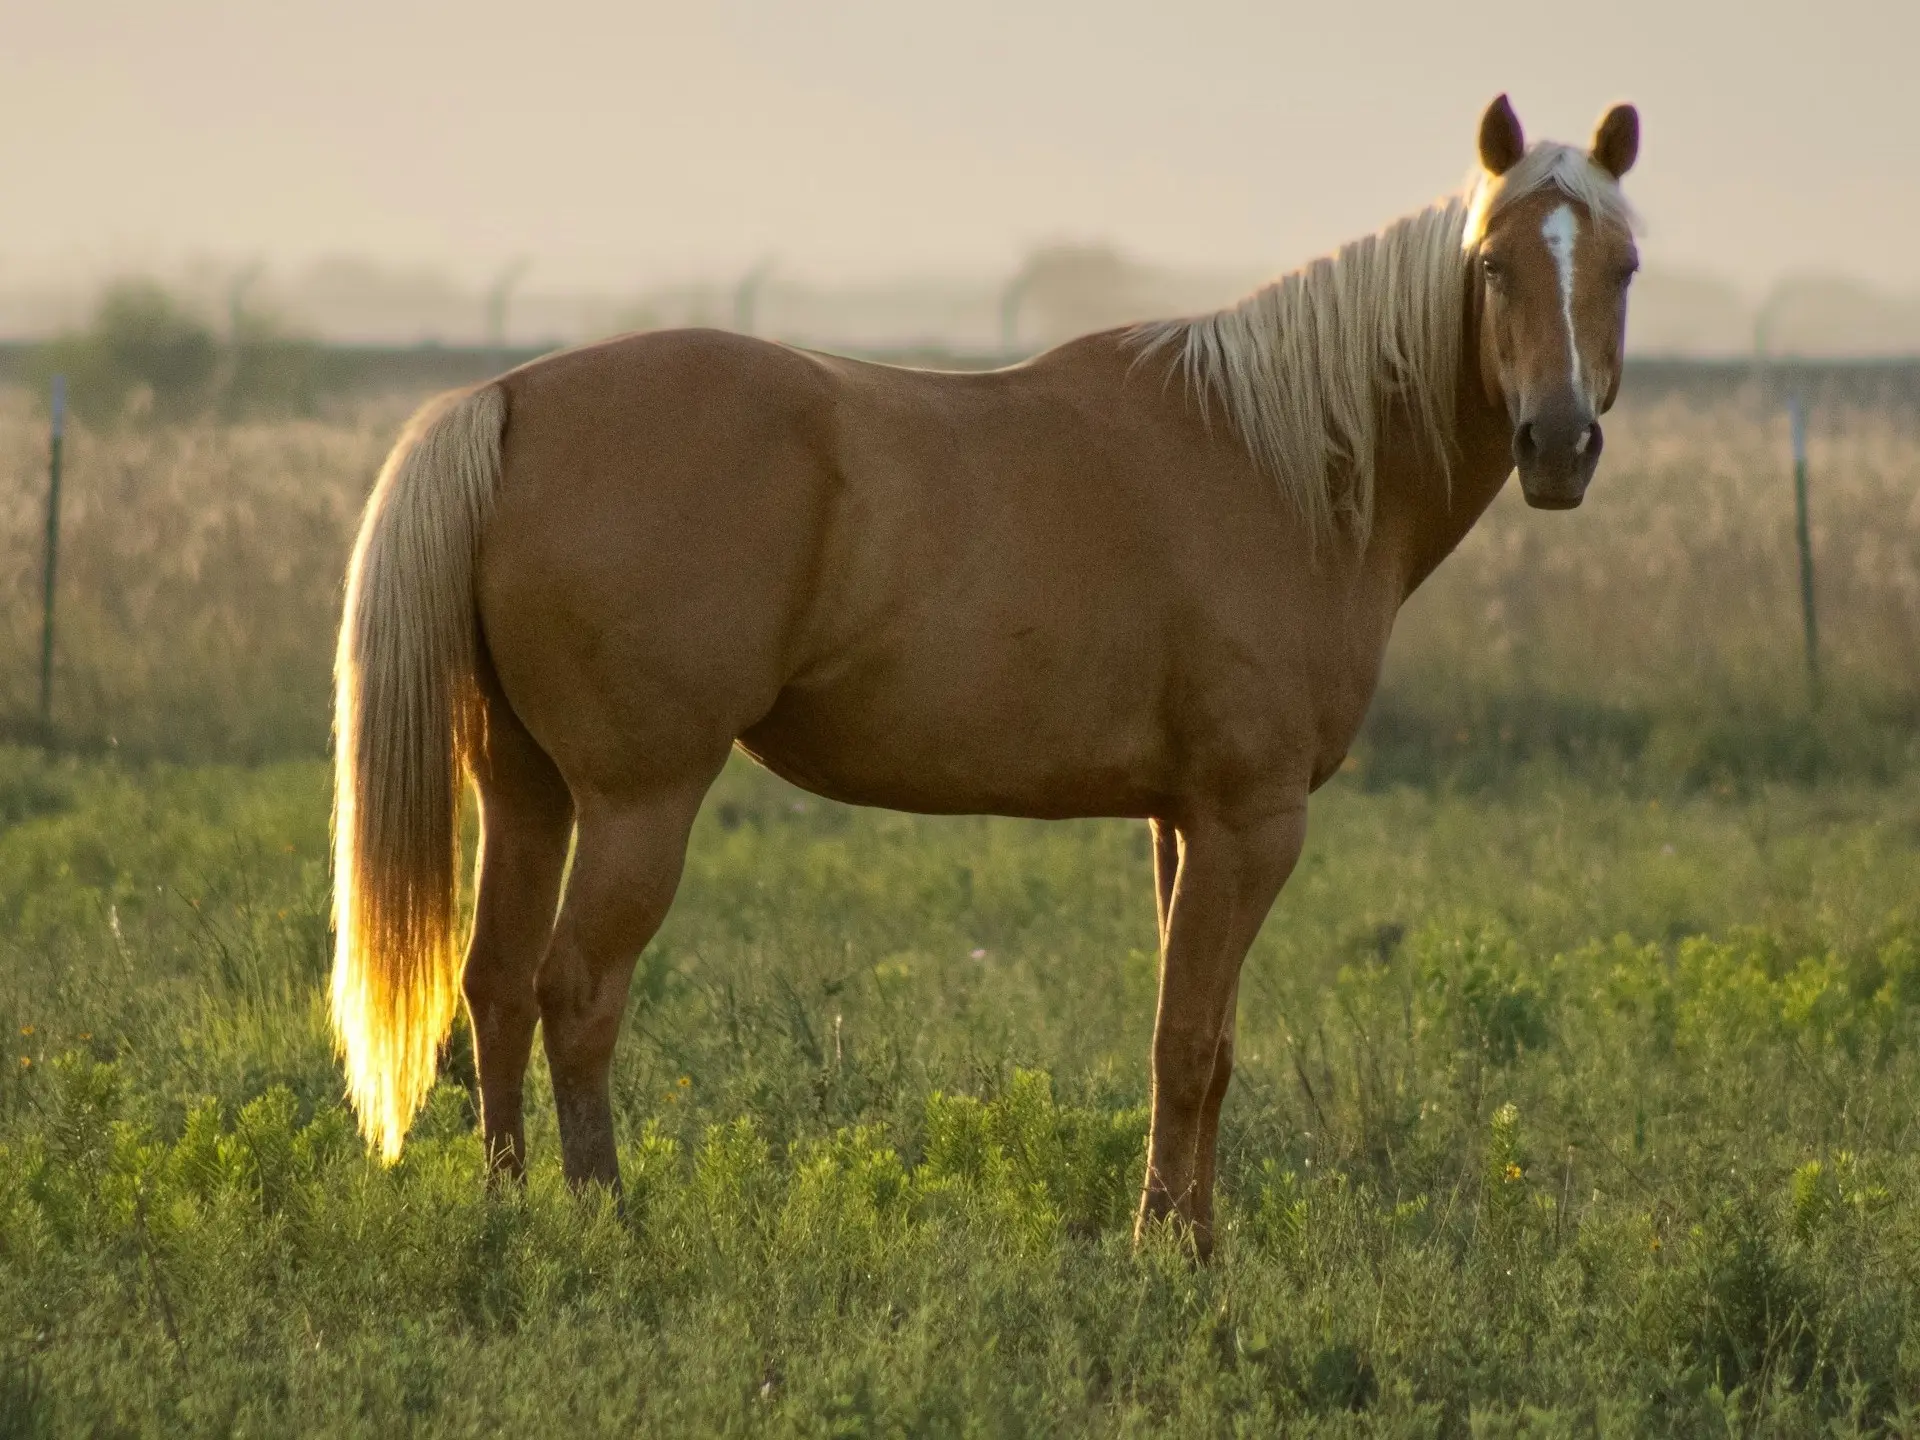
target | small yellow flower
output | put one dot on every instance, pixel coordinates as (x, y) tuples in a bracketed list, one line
[(86, 1034), (685, 1081), (26, 1062), (1654, 1244), (1513, 1173), (26, 1029)]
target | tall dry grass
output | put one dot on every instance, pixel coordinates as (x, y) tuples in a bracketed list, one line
[(201, 565), (199, 577), (1682, 565), (1662, 621)]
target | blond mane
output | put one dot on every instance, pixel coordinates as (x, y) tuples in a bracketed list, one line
[(1308, 367)]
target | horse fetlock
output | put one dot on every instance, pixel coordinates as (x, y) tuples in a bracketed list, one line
[(506, 1149), (588, 1155), (1190, 1227)]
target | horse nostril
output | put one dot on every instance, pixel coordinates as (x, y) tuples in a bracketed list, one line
[(1592, 440), (1525, 446)]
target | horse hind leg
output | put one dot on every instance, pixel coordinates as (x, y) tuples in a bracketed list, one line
[(627, 864), (526, 816)]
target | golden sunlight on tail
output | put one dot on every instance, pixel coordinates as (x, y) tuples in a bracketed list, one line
[(406, 715)]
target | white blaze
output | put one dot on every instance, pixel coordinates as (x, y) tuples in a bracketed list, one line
[(1560, 231)]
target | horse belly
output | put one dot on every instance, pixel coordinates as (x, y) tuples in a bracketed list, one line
[(1036, 748)]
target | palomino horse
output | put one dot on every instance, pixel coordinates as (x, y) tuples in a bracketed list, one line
[(1150, 573)]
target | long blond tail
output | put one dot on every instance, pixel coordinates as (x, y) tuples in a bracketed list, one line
[(406, 716)]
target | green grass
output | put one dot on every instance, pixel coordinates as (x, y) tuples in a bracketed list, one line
[(1560, 1110)]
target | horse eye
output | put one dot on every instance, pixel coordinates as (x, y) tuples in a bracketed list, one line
[(1495, 272)]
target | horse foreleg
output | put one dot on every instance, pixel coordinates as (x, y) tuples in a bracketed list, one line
[(1209, 1138), (626, 866), (1228, 877), (525, 817)]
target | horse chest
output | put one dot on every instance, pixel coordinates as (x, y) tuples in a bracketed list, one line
[(1276, 698)]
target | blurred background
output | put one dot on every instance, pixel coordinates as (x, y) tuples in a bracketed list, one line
[(981, 177), (251, 239)]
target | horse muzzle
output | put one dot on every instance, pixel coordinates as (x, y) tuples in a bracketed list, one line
[(1556, 451)]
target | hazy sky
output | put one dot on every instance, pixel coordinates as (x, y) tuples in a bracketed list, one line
[(627, 143)]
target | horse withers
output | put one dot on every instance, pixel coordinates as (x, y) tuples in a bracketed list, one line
[(1150, 573)]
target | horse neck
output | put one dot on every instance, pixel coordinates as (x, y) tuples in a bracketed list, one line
[(1419, 516)]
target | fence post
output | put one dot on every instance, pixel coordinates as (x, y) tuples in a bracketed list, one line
[(51, 569), (1797, 416)]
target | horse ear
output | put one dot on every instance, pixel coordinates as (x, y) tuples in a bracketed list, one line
[(1501, 143), (1616, 144)]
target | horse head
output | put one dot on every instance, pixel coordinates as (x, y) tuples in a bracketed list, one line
[(1553, 245)]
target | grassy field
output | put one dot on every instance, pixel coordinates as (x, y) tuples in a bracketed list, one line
[(1578, 1063), (1559, 1112)]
